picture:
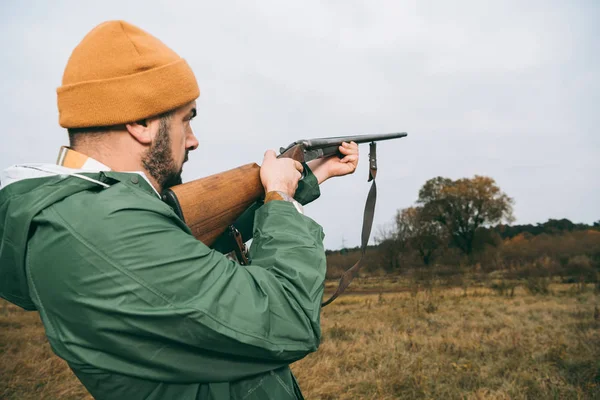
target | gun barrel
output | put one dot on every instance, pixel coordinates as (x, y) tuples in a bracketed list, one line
[(313, 144)]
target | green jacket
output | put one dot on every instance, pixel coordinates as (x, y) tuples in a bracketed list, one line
[(142, 310)]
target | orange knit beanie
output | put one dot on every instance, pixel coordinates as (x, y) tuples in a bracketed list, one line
[(120, 74)]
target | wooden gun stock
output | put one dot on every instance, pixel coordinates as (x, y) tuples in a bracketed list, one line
[(209, 205)]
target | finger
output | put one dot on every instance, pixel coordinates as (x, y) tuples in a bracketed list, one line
[(270, 154), (353, 158), (298, 166), (349, 148), (345, 149)]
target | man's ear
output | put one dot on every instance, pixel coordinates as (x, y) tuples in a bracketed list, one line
[(141, 131)]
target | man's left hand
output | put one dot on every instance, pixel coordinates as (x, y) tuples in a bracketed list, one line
[(325, 168)]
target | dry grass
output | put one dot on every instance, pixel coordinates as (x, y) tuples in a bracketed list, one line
[(442, 344), (434, 344), (28, 368)]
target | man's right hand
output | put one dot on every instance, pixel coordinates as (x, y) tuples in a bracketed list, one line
[(280, 174)]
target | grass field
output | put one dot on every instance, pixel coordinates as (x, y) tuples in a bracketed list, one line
[(442, 343)]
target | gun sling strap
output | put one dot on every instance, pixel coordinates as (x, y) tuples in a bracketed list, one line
[(368, 215)]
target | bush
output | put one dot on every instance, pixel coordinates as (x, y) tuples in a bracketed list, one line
[(504, 288), (581, 268), (538, 285)]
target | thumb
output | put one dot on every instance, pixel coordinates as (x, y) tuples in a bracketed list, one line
[(270, 154)]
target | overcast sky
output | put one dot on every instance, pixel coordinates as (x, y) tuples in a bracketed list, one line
[(507, 89)]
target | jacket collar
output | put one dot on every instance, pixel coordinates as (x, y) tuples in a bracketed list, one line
[(70, 158)]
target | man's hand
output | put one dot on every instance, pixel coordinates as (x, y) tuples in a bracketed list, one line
[(325, 168), (280, 174)]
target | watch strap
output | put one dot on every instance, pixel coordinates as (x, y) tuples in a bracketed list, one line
[(281, 196)]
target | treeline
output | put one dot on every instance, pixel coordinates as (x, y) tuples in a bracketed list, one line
[(551, 227), (465, 224)]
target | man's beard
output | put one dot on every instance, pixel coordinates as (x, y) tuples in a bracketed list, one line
[(159, 161)]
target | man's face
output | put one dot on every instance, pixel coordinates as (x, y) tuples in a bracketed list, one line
[(169, 149)]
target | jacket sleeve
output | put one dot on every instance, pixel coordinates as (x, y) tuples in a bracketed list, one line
[(132, 292), (307, 192)]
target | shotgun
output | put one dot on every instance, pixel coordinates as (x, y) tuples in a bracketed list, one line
[(210, 205)]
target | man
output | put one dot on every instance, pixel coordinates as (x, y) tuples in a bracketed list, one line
[(136, 305)]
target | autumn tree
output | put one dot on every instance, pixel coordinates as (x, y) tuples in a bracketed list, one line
[(417, 229), (462, 206), (389, 248)]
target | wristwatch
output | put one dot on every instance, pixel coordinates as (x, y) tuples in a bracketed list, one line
[(278, 195)]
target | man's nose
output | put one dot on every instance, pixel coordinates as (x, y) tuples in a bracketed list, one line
[(192, 142)]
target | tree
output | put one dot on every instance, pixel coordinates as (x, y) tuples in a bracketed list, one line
[(420, 231), (464, 205), (554, 226), (389, 248)]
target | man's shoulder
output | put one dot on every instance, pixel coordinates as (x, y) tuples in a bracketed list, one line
[(130, 193), (124, 204)]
